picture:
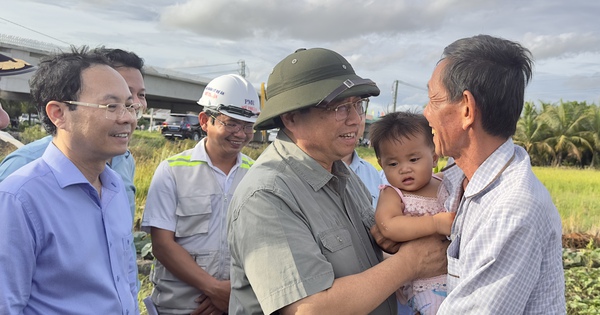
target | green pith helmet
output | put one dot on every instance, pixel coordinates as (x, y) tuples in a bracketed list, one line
[(307, 78)]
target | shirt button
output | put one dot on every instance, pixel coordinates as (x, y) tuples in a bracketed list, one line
[(118, 278)]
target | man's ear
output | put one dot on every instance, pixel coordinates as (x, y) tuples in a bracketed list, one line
[(469, 110), (56, 113), (203, 118), (289, 120)]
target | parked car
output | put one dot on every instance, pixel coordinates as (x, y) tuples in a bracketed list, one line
[(182, 126), (25, 118)]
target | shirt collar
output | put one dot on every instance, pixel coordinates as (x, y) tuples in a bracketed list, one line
[(491, 169), (356, 161), (67, 174), (199, 154), (305, 166), (119, 159)]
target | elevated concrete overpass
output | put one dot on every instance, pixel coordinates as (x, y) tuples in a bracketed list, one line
[(166, 89)]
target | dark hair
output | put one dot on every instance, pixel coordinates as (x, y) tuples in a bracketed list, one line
[(495, 71), (118, 58), (58, 78), (397, 126)]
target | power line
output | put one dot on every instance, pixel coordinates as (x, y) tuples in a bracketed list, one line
[(215, 72), (27, 28), (412, 85), (206, 66), (242, 70)]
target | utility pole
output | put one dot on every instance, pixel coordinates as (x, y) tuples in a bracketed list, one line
[(242, 64), (395, 94)]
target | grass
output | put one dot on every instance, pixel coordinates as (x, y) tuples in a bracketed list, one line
[(575, 194)]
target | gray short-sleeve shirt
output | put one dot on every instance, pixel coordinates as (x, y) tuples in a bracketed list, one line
[(294, 227)]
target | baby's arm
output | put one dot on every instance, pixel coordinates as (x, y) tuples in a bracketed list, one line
[(443, 222), (394, 225)]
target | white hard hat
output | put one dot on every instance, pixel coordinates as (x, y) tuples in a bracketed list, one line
[(233, 96)]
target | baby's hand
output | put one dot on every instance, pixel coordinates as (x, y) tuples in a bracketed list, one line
[(443, 222)]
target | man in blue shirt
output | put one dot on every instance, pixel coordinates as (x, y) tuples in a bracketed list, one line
[(65, 241), (366, 172), (129, 65)]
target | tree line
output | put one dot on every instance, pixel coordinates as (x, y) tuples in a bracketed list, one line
[(563, 134)]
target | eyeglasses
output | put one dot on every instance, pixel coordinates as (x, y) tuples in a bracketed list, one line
[(235, 127), (342, 111), (114, 111)]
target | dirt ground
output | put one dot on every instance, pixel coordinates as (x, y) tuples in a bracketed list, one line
[(580, 240)]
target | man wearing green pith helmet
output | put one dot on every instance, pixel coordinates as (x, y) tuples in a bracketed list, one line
[(300, 220)]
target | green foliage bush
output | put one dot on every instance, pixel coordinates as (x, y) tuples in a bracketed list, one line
[(582, 287), (582, 279), (582, 290), (32, 133)]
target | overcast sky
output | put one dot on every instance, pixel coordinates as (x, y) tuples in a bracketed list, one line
[(384, 40)]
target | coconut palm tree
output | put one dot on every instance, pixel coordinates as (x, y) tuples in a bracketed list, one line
[(592, 133), (565, 124), (531, 133)]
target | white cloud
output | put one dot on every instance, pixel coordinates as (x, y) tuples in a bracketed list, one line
[(562, 45), (385, 40)]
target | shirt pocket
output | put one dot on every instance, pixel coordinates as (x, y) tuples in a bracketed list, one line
[(193, 215), (339, 251), (170, 292), (211, 262), (336, 239)]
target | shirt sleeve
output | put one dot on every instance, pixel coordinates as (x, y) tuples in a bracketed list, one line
[(279, 254), (23, 156), (11, 163), (161, 201), (129, 186), (17, 254), (124, 165)]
